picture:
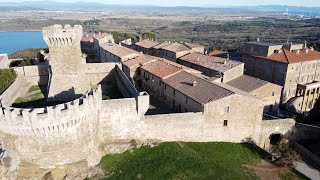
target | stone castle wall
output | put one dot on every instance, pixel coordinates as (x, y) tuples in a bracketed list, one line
[(67, 80)]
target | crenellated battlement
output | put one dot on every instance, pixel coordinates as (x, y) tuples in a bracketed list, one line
[(23, 121), (57, 35)]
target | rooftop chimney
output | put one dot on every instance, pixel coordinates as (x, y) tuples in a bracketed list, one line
[(194, 83), (99, 33), (258, 39), (228, 56)]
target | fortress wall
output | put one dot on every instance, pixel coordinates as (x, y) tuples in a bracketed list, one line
[(99, 72), (174, 127), (32, 122), (19, 87), (41, 134), (306, 132), (36, 75), (192, 127), (275, 126), (120, 120), (124, 84)]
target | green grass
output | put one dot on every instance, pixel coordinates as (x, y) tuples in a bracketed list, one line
[(112, 93), (34, 88), (192, 161), (292, 175)]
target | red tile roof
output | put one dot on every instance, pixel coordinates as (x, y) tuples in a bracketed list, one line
[(176, 47), (191, 45), (147, 43), (162, 68), (87, 38), (210, 62), (161, 45), (217, 52), (202, 92), (247, 83), (286, 56), (118, 50), (140, 60)]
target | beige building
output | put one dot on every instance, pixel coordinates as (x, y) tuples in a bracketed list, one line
[(270, 93), (90, 45), (175, 51), (287, 65), (4, 61), (145, 46), (111, 52), (196, 47), (218, 69)]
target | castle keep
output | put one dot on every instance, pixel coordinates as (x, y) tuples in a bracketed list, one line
[(69, 139), (67, 79)]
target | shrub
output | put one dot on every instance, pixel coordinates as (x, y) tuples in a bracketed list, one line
[(284, 155), (7, 77)]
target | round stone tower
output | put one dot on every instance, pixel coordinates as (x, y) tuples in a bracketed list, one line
[(67, 79)]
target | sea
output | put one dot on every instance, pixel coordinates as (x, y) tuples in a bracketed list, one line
[(10, 42)]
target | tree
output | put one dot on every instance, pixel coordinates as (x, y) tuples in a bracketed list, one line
[(284, 155), (149, 35), (7, 77)]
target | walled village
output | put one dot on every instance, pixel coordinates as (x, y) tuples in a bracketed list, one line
[(170, 92)]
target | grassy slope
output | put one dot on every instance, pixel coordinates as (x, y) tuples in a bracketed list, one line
[(189, 161), (192, 161)]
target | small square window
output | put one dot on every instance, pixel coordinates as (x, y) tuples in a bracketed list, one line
[(225, 123), (226, 109)]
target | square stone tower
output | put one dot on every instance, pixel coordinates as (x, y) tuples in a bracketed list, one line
[(67, 79)]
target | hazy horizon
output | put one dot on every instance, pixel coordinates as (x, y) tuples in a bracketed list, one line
[(203, 3)]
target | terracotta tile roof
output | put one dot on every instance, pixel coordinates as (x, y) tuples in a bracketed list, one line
[(87, 38), (217, 52), (210, 62), (162, 68), (147, 43), (203, 92), (176, 47), (161, 45), (140, 60), (191, 45), (118, 50), (102, 35), (247, 83), (286, 56)]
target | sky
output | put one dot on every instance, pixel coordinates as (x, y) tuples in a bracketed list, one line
[(209, 3)]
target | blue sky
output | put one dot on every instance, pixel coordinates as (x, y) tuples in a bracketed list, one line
[(212, 3)]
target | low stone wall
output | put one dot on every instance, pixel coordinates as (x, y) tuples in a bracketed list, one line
[(307, 155), (99, 72), (275, 126), (36, 75), (124, 84), (18, 88), (306, 132)]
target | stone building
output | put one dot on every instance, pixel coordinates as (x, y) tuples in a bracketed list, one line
[(218, 69), (67, 80), (145, 46), (196, 47), (90, 45), (111, 52), (175, 51), (288, 65), (270, 93), (157, 49), (4, 61)]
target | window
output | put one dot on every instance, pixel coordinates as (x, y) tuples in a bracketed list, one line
[(225, 123), (139, 72), (174, 92), (226, 109), (273, 93), (186, 100), (165, 86)]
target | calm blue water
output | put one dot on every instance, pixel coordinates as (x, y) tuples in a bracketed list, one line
[(13, 41)]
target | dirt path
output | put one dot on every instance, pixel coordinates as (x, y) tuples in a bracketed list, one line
[(266, 170)]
